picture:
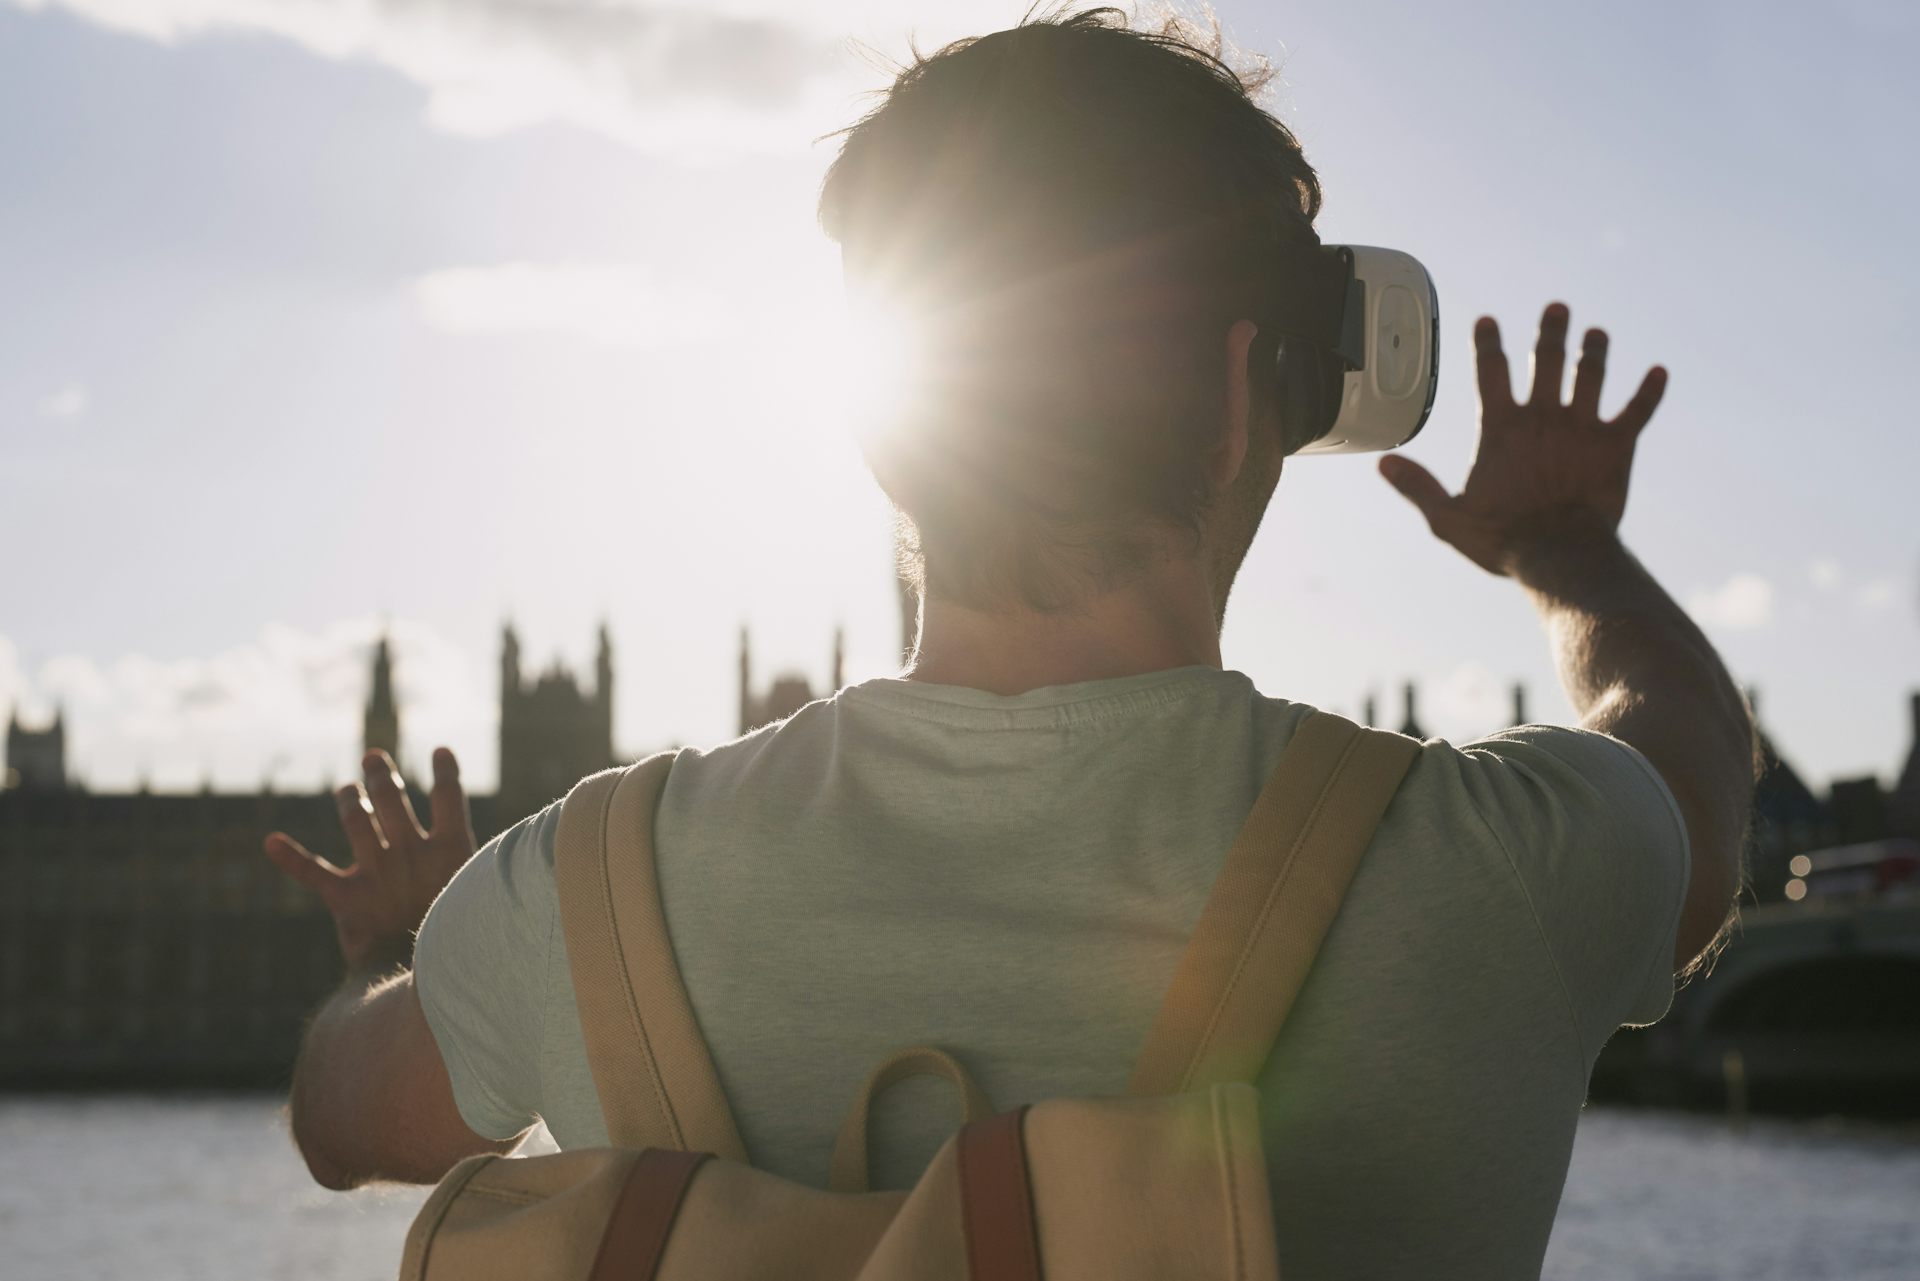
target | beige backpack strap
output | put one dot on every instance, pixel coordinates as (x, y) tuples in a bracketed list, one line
[(1275, 899), (849, 1171), (651, 1068)]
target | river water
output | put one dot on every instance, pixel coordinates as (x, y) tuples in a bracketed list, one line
[(209, 1189)]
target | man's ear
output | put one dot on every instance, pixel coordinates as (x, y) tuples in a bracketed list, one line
[(1224, 464)]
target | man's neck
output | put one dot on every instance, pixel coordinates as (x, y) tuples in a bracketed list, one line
[(1165, 619)]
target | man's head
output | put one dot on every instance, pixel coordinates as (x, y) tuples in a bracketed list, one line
[(1074, 214)]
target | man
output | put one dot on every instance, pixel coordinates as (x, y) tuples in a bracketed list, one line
[(1004, 850)]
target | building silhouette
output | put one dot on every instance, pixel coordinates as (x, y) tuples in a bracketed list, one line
[(36, 758), (789, 691), (1857, 808), (1903, 805), (553, 732), (144, 940), (1788, 818)]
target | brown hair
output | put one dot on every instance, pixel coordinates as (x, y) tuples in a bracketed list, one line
[(1075, 211)]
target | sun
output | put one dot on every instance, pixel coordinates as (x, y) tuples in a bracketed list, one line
[(846, 366)]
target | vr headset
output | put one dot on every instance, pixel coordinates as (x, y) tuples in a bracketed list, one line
[(1359, 348)]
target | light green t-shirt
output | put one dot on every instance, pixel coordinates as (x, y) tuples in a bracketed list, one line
[(1014, 878)]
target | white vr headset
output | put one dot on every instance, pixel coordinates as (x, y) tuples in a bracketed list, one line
[(1359, 352)]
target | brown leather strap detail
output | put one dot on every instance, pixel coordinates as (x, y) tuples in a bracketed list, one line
[(849, 1172), (996, 1200), (643, 1216)]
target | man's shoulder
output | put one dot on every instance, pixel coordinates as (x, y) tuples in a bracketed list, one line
[(1585, 762), (1550, 793), (758, 758), (1597, 839)]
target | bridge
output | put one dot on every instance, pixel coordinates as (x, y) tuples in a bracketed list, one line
[(1812, 1006)]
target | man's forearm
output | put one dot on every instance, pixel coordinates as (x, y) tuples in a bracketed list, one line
[(371, 1097), (363, 978), (1613, 628), (320, 1110), (1636, 667)]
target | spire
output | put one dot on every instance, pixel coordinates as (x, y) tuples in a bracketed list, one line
[(381, 728), (509, 660), (603, 667), (839, 658), (509, 704), (1411, 727), (382, 673), (746, 681), (1519, 703), (1369, 711), (603, 691)]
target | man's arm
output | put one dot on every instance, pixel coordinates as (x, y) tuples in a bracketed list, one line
[(1636, 667), (1542, 504), (371, 1098)]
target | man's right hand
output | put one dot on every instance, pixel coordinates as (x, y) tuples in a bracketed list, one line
[(398, 867), (1541, 464)]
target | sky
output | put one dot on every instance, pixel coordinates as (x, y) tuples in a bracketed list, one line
[(419, 315)]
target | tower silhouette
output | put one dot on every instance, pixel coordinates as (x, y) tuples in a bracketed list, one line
[(380, 729), (1411, 726), (36, 758), (1904, 802), (552, 732)]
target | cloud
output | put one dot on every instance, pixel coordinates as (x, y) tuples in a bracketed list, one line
[(285, 705), (69, 402), (1871, 596), (1743, 602), (690, 78), (1877, 596), (622, 305)]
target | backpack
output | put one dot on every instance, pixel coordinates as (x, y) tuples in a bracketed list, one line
[(1168, 1181)]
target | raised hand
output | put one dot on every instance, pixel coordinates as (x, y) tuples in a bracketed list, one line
[(1540, 463), (398, 868)]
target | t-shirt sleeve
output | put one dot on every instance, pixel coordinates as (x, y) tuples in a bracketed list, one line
[(1599, 845), (480, 967)]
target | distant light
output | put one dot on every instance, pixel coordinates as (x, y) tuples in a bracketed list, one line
[(1796, 889), (1801, 865)]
